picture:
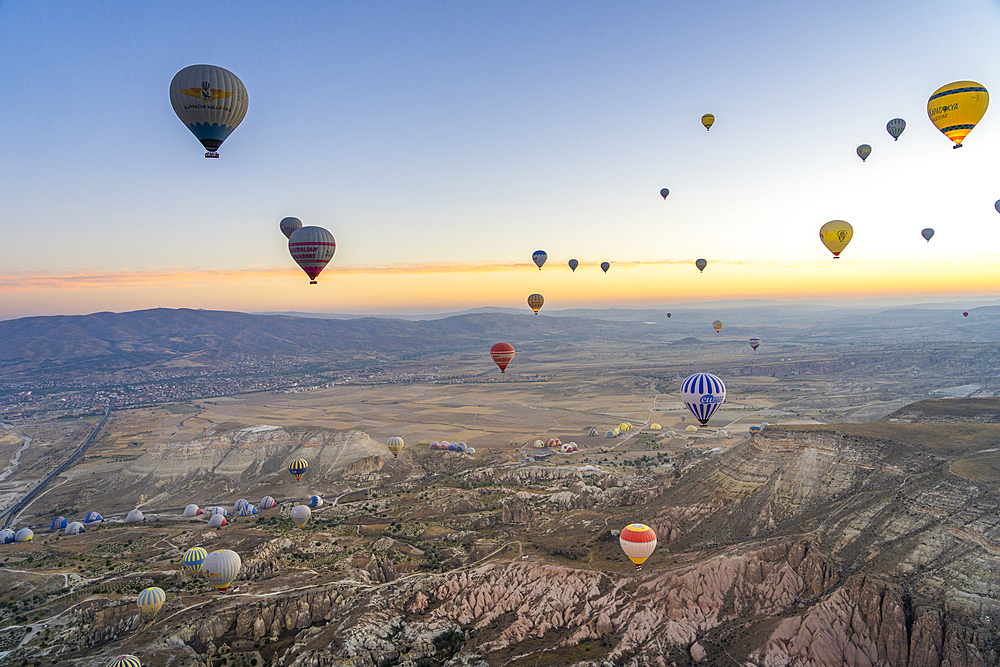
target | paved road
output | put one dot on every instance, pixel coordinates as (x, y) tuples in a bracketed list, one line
[(23, 502)]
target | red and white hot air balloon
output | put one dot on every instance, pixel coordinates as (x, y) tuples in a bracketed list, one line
[(638, 541), (502, 353), (312, 249)]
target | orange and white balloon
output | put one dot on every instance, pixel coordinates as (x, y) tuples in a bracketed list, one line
[(638, 541)]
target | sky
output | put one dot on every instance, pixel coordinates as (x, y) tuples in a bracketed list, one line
[(443, 142)]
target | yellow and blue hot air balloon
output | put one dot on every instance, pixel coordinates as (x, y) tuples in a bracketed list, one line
[(535, 302), (708, 120), (395, 445), (150, 601), (124, 661), (193, 558), (210, 101), (298, 468), (957, 107)]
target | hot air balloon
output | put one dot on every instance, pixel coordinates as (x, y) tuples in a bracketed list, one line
[(298, 468), (395, 445), (92, 519), (717, 325), (895, 127), (708, 120), (638, 541), (668, 316), (249, 510), (664, 192), (150, 601), (240, 504), (927, 234), (539, 257), (221, 568), (210, 101), (755, 343), (315, 501), (605, 266), (191, 511), (684, 418), (312, 248), (997, 206), (535, 302), (135, 516), (268, 503), (754, 430), (502, 353), (24, 535), (217, 521), (965, 314), (7, 536), (221, 511), (864, 150), (300, 515), (957, 107), (701, 264), (703, 393), (835, 235), (289, 225), (124, 661), (74, 528), (59, 523), (193, 559), (573, 264)]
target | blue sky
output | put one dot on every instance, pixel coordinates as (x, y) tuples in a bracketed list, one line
[(477, 132)]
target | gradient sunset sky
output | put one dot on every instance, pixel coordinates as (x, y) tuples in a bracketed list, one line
[(442, 142)]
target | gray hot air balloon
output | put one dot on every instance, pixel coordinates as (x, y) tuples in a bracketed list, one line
[(864, 150), (289, 225), (605, 266), (997, 206), (210, 101), (664, 192), (135, 516), (701, 264), (539, 257), (895, 127), (573, 264), (221, 568), (927, 234)]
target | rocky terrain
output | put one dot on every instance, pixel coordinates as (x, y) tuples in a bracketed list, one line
[(859, 544)]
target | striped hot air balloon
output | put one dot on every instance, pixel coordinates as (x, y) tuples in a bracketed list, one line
[(267, 503), (221, 568), (708, 120), (535, 302), (957, 107), (703, 393), (288, 226), (298, 468), (312, 248), (701, 264), (150, 601), (755, 343), (395, 445), (895, 127), (502, 354), (59, 523), (124, 661), (638, 541), (193, 558)]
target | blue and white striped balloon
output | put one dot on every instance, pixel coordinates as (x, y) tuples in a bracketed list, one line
[(703, 393)]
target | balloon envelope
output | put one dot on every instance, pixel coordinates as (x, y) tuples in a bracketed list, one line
[(965, 314), (210, 101), (395, 445), (312, 248), (957, 107), (124, 661), (267, 503), (755, 343), (74, 528), (605, 266), (573, 264), (539, 257), (717, 325), (300, 515), (59, 523), (150, 601), (664, 192), (135, 516), (997, 206), (895, 127), (864, 150), (637, 541), (193, 559), (315, 501), (502, 353), (535, 302), (191, 510), (289, 225), (708, 120), (24, 535), (927, 234), (701, 264), (221, 568), (703, 393), (835, 235), (298, 468)]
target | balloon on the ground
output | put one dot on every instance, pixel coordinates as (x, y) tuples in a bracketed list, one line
[(395, 445), (191, 511), (210, 101), (503, 353), (701, 264), (895, 127), (300, 515), (535, 302), (927, 234), (573, 264), (239, 504), (135, 516), (59, 523), (835, 235), (755, 343), (150, 601), (24, 535), (74, 528), (315, 501), (124, 661), (289, 225), (7, 536), (267, 503), (221, 568), (957, 107), (220, 511), (754, 430), (249, 510), (92, 519), (655, 427), (703, 393), (638, 541), (217, 521), (664, 192), (708, 120), (312, 248), (692, 428), (605, 266), (717, 325), (539, 257), (298, 468), (193, 559)]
